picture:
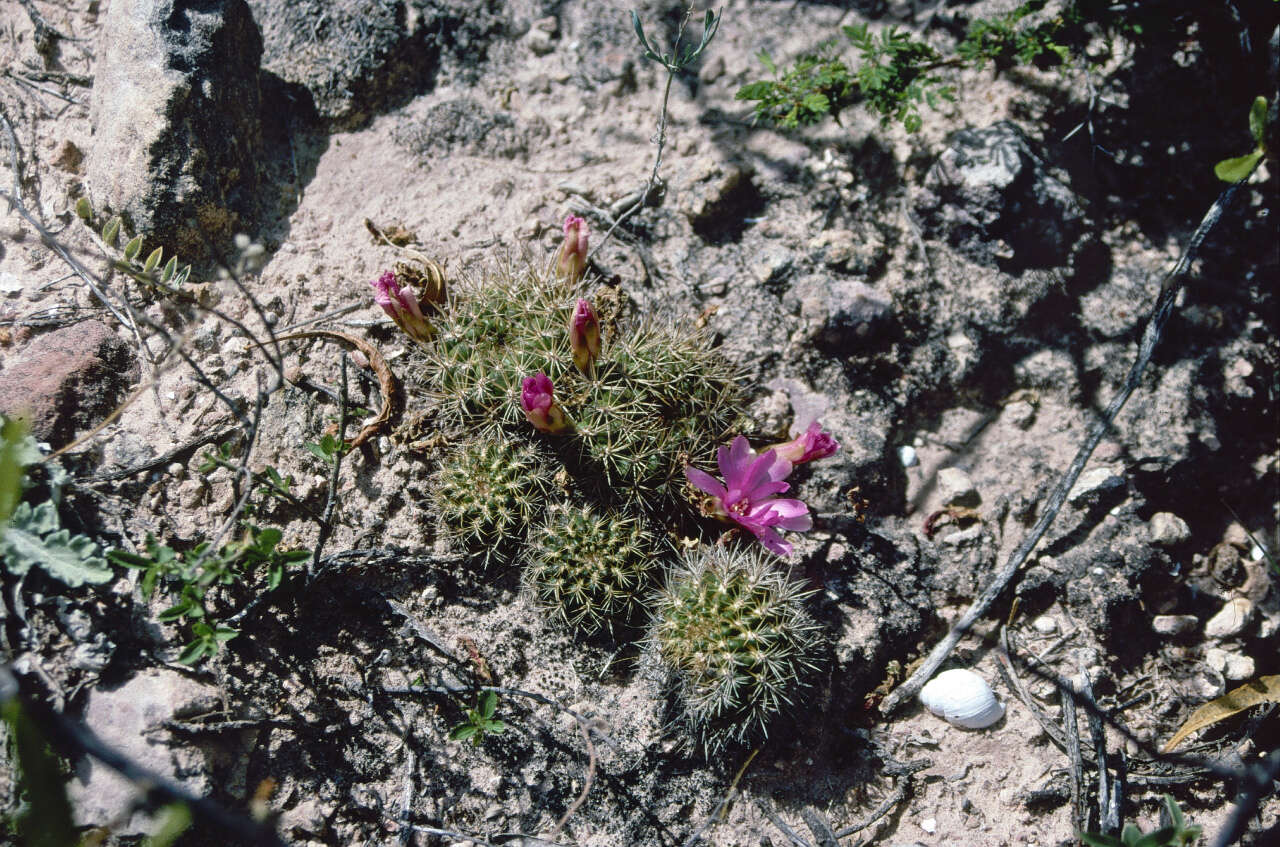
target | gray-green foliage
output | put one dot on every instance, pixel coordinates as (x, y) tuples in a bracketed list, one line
[(35, 538), (488, 492), (735, 631), (590, 568), (658, 396)]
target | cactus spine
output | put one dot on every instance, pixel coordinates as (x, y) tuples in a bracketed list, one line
[(488, 492)]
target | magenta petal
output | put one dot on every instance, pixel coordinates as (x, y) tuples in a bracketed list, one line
[(768, 489), (706, 482), (736, 462), (774, 543), (758, 472), (788, 508)]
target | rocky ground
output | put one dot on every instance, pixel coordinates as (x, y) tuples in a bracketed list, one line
[(957, 306)]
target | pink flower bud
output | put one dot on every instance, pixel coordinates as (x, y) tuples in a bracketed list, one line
[(402, 306), (813, 443), (573, 252), (537, 398), (584, 335)]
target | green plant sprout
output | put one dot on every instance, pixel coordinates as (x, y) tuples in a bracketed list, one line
[(147, 271), (1239, 168), (1173, 832), (327, 449), (191, 576), (480, 721)]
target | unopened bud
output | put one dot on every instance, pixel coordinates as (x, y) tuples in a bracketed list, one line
[(584, 335), (537, 398), (572, 261)]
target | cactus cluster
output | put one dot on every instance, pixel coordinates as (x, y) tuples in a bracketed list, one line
[(536, 387), (656, 397), (488, 492), (734, 628), (591, 569)]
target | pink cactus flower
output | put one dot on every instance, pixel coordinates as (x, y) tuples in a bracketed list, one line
[(747, 496), (813, 443), (537, 398), (402, 306), (572, 260), (584, 336)]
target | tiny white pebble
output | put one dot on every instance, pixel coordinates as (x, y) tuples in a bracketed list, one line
[(907, 455), (929, 825), (1045, 625)]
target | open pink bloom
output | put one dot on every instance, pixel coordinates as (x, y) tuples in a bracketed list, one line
[(537, 398), (813, 443), (747, 496), (402, 306), (584, 335), (572, 260)]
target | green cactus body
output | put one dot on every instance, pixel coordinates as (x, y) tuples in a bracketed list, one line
[(488, 492), (590, 568), (736, 632), (657, 397)]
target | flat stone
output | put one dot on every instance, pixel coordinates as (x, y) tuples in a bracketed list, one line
[(956, 488), (66, 380), (1231, 619), (130, 718), (1174, 624), (1168, 530)]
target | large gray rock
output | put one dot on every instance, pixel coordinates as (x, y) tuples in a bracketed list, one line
[(176, 120), (130, 719), (356, 57), (992, 197)]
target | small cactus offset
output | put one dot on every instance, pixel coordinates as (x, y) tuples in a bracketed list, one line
[(590, 568), (735, 631), (488, 492)]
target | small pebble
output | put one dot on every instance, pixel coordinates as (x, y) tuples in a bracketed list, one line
[(1021, 414), (1168, 530), (1174, 624), (956, 488), (1234, 666), (929, 825), (1045, 625), (907, 455), (1093, 484), (1231, 620), (177, 470)]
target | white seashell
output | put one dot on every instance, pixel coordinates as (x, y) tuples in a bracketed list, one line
[(962, 698)]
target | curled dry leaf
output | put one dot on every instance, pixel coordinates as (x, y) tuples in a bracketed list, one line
[(386, 379), (1265, 689)]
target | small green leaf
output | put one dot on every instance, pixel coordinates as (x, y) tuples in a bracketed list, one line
[(1234, 170), (111, 231), (754, 91), (1174, 811), (1258, 119), (488, 704), (193, 652), (174, 612), (767, 61), (131, 249), (463, 732), (170, 267), (84, 209), (1159, 838), (1099, 840), (1130, 834), (154, 259)]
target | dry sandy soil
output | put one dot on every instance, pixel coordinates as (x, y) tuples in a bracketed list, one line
[(845, 269)]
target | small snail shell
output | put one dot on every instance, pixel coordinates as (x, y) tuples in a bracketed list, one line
[(962, 698)]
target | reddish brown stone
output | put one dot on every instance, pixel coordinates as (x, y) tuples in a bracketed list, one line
[(66, 380)]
